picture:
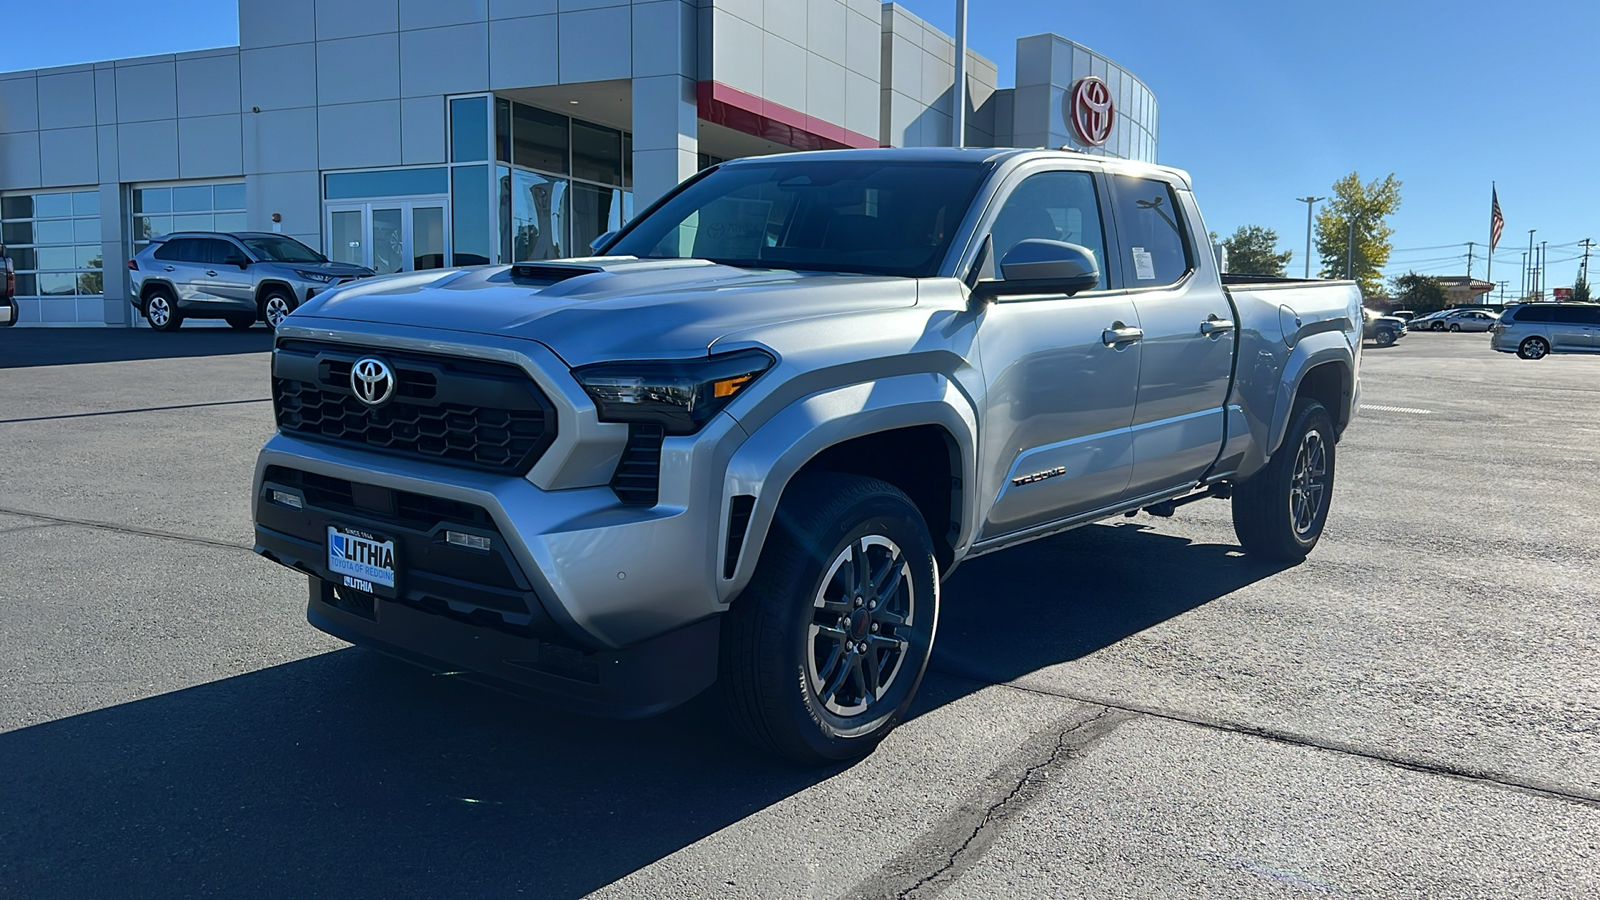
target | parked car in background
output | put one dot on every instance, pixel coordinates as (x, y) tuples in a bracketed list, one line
[(243, 278), (1425, 323), (1380, 329), (1405, 315), (8, 290), (1536, 330), (1467, 320)]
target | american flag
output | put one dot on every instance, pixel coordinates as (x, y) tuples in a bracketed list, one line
[(1497, 222)]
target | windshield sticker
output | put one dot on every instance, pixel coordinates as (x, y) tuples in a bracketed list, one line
[(732, 228), (1144, 267)]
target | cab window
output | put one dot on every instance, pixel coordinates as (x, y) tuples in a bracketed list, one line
[(1156, 249), (1055, 206)]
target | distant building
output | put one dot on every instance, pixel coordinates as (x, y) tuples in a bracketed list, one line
[(1464, 290), (412, 134)]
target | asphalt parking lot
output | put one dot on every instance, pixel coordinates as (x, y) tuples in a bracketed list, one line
[(1133, 709)]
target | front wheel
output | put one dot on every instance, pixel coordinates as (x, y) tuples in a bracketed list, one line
[(1385, 338), (823, 652), (1280, 512), (1455, 326), (1534, 348), (276, 306)]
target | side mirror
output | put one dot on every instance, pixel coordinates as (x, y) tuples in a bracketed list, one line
[(1039, 266), (602, 240)]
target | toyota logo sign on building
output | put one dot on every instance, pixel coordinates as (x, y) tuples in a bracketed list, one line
[(1091, 111)]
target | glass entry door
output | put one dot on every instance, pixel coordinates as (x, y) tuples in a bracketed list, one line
[(388, 236)]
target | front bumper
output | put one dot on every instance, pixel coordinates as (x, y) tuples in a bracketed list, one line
[(643, 680)]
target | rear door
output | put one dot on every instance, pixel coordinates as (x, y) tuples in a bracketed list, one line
[(1570, 331), (1188, 345), (1061, 384), (183, 264)]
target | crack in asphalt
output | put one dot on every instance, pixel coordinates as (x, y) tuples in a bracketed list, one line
[(126, 412), (29, 527), (1505, 780), (965, 835), (50, 520)]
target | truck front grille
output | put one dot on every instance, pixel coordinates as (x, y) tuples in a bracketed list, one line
[(472, 413)]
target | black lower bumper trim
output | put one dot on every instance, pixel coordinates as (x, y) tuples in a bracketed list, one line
[(642, 680)]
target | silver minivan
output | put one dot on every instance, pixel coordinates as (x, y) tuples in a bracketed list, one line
[(1536, 330)]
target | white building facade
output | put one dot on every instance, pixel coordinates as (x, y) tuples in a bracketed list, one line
[(415, 134)]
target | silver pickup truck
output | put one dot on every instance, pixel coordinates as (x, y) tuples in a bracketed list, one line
[(745, 443)]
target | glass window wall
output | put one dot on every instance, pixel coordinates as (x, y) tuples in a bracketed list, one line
[(568, 182), (54, 243), (159, 210)]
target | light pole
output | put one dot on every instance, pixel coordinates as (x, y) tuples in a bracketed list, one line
[(1533, 276), (958, 117), (1309, 202)]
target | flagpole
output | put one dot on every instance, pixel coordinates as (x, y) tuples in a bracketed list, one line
[(1489, 276)]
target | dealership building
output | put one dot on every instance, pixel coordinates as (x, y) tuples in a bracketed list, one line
[(414, 134)]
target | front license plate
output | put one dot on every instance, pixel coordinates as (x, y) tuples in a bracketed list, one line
[(361, 560)]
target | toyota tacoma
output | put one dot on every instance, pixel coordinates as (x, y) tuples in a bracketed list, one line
[(745, 443)]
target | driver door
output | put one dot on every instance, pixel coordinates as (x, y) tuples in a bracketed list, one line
[(1060, 398)]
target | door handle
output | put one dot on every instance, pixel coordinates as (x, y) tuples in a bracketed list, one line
[(212, 272), (1119, 333), (1215, 326), (169, 268)]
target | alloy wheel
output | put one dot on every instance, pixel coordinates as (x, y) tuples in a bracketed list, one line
[(1308, 488), (858, 638), (158, 311), (277, 309)]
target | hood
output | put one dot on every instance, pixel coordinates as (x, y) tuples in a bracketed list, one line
[(608, 308), (330, 267)]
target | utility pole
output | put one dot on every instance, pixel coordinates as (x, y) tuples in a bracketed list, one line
[(958, 118), (1544, 276), (1525, 291), (1587, 243), (1470, 245), (1532, 261), (1503, 286), (1309, 202)]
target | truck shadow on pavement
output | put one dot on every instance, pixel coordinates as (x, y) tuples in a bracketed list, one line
[(26, 347), (346, 774)]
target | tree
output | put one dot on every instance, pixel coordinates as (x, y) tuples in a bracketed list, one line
[(1419, 293), (1368, 206), (1580, 290), (1252, 250)]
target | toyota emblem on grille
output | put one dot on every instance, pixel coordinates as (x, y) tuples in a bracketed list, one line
[(372, 380)]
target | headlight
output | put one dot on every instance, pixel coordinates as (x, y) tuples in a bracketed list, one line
[(314, 276), (679, 395)]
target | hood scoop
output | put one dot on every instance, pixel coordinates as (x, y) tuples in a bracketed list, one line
[(544, 274)]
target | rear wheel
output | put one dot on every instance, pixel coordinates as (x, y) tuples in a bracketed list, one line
[(276, 304), (1437, 326), (242, 322), (1534, 348), (824, 651), (1455, 326), (1280, 512), (161, 310)]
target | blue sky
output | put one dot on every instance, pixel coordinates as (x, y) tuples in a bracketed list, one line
[(1261, 102)]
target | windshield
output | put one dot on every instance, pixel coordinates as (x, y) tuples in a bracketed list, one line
[(282, 249), (870, 217)]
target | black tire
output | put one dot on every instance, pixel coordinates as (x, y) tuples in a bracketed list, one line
[(779, 639), (1437, 326), (1385, 339), (161, 310), (1265, 516), (1533, 348), (242, 322), (1455, 326), (276, 303)]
